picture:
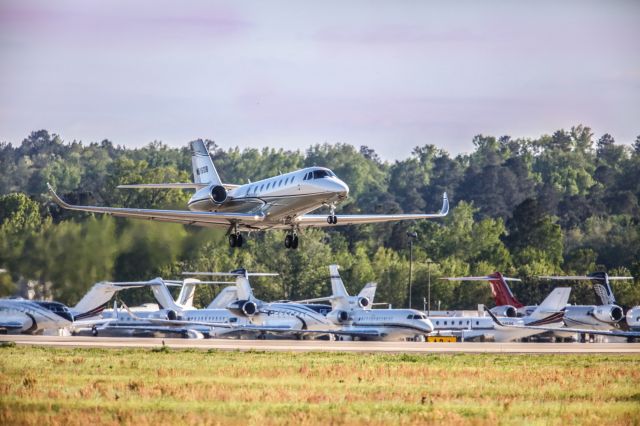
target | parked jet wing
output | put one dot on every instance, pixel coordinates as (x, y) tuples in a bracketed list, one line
[(227, 186), (317, 220), (175, 216)]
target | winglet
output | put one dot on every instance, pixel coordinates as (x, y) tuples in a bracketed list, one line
[(59, 201), (445, 205), (493, 317)]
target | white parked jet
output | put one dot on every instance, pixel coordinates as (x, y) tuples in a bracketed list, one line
[(354, 313), (34, 316), (280, 202), (548, 313)]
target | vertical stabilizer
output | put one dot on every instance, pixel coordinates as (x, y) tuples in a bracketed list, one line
[(339, 292), (97, 297), (368, 292), (602, 288), (243, 288), (185, 298), (226, 296), (203, 169), (163, 295), (501, 292), (551, 308)]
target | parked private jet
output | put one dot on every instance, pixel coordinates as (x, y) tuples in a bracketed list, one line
[(35, 316), (280, 202), (354, 313), (548, 313)]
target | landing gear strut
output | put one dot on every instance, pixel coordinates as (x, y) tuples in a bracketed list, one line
[(291, 241), (332, 219), (236, 240)]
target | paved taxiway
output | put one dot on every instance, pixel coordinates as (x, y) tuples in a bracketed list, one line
[(322, 346)]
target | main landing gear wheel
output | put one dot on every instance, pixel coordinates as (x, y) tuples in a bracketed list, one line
[(291, 241), (332, 219), (235, 240)]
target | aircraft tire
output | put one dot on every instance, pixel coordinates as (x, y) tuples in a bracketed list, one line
[(294, 243), (288, 240), (239, 240), (233, 240), (94, 331)]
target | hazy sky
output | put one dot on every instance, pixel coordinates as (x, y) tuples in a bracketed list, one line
[(390, 75)]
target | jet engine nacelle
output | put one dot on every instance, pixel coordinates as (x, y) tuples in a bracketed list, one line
[(505, 311), (245, 308), (633, 318), (172, 315), (218, 194), (338, 317), (608, 313), (364, 302)]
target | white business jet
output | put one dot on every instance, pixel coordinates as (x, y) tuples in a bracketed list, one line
[(280, 202)]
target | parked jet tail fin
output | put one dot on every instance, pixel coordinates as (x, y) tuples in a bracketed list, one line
[(203, 169), (369, 292), (97, 297), (601, 285), (242, 280), (339, 292), (226, 296), (499, 288), (554, 303)]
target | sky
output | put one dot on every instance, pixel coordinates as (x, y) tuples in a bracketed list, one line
[(391, 75)]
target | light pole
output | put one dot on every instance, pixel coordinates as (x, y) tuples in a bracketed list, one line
[(429, 262), (412, 236)]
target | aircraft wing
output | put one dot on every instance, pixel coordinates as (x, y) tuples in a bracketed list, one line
[(318, 220), (176, 216), (227, 186)]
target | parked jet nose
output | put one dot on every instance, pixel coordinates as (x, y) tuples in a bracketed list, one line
[(427, 324)]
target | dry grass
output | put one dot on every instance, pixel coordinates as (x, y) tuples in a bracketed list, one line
[(91, 386)]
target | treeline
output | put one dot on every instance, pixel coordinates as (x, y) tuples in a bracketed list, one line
[(561, 203)]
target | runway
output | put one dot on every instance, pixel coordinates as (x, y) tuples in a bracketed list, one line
[(323, 346)]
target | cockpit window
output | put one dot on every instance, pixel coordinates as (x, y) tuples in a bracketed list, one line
[(319, 174), (410, 317)]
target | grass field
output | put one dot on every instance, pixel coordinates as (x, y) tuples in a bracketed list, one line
[(97, 386)]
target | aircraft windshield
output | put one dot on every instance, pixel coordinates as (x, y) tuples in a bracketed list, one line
[(319, 174)]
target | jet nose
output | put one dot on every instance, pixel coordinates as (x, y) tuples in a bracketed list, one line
[(428, 325), (342, 189)]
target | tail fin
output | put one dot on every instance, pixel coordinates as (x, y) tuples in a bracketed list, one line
[(551, 308), (339, 292), (203, 169), (499, 288), (243, 288), (226, 296), (185, 298), (501, 292), (162, 295), (602, 288), (368, 291), (97, 297)]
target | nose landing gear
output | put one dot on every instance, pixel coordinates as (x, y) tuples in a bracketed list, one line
[(332, 219)]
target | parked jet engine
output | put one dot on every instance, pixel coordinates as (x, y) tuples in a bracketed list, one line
[(592, 315), (505, 311), (608, 313), (245, 308), (338, 317), (363, 302)]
